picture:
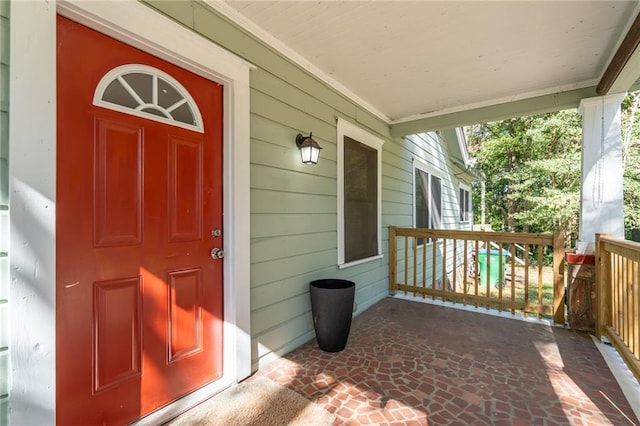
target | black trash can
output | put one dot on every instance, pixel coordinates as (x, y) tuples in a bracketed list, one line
[(331, 308)]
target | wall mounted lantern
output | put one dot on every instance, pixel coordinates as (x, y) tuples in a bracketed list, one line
[(309, 149)]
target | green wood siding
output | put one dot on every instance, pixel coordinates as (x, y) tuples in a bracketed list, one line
[(4, 211), (294, 206)]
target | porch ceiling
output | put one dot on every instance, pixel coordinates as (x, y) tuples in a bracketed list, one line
[(409, 60)]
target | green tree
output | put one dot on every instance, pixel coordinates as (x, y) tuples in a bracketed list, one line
[(630, 119), (532, 170)]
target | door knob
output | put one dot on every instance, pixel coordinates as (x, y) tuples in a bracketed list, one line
[(216, 253)]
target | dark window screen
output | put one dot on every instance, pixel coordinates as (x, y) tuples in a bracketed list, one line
[(360, 200), (465, 206), (428, 201)]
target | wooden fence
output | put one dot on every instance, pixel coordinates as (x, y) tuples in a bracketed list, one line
[(499, 270), (618, 296)]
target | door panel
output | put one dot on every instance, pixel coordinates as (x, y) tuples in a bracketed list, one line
[(185, 204), (117, 184), (117, 324), (139, 298)]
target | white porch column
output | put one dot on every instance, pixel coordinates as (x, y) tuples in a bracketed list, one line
[(601, 193)]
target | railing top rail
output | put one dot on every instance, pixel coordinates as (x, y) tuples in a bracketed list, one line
[(625, 248), (507, 237), (620, 242)]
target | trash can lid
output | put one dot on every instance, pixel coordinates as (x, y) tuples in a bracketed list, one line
[(494, 252)]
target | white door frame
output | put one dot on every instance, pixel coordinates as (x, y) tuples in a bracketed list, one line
[(32, 143)]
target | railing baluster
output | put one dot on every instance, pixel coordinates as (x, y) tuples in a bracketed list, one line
[(635, 312), (406, 261), (415, 263), (465, 269), (393, 260), (512, 251), (424, 266), (526, 274), (434, 243), (443, 278), (454, 284), (476, 273), (540, 277)]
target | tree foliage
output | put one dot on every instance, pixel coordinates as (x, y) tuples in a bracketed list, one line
[(532, 170)]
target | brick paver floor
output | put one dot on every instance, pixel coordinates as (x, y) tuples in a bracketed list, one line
[(410, 363)]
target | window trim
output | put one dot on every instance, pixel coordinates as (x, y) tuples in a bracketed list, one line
[(467, 188), (423, 166), (346, 128)]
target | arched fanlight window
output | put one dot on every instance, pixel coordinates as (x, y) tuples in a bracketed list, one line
[(148, 92)]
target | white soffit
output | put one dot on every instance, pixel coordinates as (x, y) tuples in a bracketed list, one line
[(409, 59)]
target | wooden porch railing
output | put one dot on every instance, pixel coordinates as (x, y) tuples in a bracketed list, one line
[(457, 266), (618, 296)]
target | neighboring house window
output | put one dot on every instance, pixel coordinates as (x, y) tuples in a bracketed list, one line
[(359, 195), (464, 200), (427, 197), (150, 93)]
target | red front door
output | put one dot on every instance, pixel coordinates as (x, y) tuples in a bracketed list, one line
[(139, 297)]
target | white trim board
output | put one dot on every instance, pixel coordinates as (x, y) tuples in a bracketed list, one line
[(33, 186)]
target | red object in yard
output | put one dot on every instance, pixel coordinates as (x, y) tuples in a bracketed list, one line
[(580, 259)]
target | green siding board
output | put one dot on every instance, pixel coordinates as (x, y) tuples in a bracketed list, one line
[(277, 87), (264, 154), (271, 293), (275, 270), (4, 87), (263, 177), (4, 275), (397, 197), (397, 173), (4, 181), (401, 221), (273, 315), (400, 162), (4, 134), (281, 151), (4, 410), (272, 225), (4, 38), (281, 202), (280, 112), (4, 367), (267, 154), (273, 248), (395, 208), (373, 123), (4, 324), (292, 330), (395, 184)]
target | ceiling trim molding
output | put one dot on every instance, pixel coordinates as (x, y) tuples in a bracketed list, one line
[(249, 26), (529, 106)]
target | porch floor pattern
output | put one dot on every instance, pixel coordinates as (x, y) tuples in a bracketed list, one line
[(411, 363)]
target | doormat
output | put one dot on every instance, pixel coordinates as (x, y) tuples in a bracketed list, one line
[(256, 402)]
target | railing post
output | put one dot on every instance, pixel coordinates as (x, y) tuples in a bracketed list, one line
[(393, 260), (603, 287), (558, 278)]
